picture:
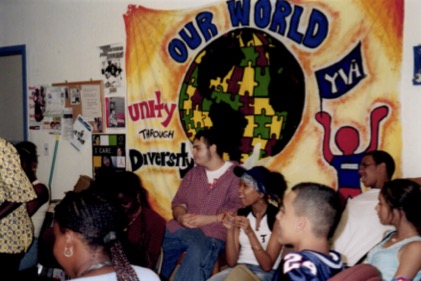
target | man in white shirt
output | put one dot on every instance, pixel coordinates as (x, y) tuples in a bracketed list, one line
[(360, 229)]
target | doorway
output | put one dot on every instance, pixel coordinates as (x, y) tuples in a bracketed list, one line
[(13, 105)]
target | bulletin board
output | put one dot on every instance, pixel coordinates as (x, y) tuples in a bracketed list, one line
[(86, 98)]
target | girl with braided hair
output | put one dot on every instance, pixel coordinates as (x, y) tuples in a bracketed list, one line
[(86, 244)]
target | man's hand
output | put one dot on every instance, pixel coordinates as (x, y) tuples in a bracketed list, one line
[(194, 221), (228, 219), (187, 220)]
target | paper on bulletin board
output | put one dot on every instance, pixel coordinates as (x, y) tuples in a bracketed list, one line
[(82, 132), (91, 101), (67, 124), (55, 98)]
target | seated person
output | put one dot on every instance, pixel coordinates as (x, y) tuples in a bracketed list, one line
[(206, 191), (37, 207), (398, 256), (307, 219), (252, 235), (86, 226), (359, 228), (144, 228)]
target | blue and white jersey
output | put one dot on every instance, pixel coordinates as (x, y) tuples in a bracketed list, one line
[(311, 266)]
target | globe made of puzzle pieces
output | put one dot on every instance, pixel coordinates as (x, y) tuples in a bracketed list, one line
[(249, 88)]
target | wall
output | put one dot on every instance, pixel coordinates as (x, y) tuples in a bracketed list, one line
[(62, 39), (411, 95)]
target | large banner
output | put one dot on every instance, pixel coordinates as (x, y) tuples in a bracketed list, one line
[(304, 87)]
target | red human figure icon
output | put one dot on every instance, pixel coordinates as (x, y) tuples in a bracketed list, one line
[(347, 139)]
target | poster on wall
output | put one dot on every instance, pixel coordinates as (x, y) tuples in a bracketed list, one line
[(108, 152), (112, 65), (36, 106), (417, 65), (115, 112), (302, 83)]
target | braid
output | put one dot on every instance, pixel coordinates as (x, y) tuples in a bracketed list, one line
[(121, 264)]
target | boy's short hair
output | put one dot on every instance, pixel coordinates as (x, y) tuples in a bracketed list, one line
[(210, 138), (320, 204)]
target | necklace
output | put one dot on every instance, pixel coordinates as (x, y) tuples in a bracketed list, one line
[(259, 217), (96, 266), (133, 219)]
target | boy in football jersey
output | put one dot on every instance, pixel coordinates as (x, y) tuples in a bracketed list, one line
[(307, 219)]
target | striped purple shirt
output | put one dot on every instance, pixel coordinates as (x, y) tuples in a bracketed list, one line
[(195, 193)]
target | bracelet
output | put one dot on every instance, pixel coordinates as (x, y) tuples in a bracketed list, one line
[(256, 248)]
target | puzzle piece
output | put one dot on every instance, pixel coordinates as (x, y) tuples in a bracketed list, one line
[(248, 83), (191, 89), (235, 79), (191, 133), (262, 129), (246, 146), (261, 39), (190, 93), (278, 122), (200, 56), (198, 119), (269, 145), (207, 121), (206, 104), (250, 56), (249, 129), (197, 99), (183, 96), (215, 84), (261, 104), (227, 78), (262, 77), (247, 101), (187, 119), (262, 60), (219, 97)]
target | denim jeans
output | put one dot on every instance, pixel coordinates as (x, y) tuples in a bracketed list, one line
[(257, 270), (30, 260), (201, 254)]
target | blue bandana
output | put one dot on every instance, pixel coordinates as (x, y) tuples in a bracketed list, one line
[(249, 180)]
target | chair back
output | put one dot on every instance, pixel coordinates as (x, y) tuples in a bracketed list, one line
[(359, 272)]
